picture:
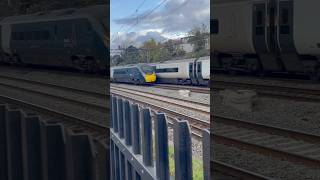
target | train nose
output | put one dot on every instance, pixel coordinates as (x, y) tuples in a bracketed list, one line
[(150, 77)]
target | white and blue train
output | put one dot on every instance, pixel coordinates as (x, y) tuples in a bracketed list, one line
[(73, 38), (259, 36), (194, 71)]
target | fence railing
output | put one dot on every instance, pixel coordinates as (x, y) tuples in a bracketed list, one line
[(33, 149), (132, 146)]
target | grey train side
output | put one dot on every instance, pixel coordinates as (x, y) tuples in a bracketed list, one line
[(75, 38), (259, 36), (123, 75), (194, 71)]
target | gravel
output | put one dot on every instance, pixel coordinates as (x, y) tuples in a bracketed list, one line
[(296, 115), (196, 97), (284, 113), (90, 83), (264, 165), (305, 84)]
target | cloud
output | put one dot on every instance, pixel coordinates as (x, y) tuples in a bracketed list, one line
[(175, 17), (136, 38)]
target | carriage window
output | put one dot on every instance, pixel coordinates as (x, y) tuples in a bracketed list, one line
[(285, 16), (167, 70), (214, 26), (15, 36), (259, 18), (199, 67)]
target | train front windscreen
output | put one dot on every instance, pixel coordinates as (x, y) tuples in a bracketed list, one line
[(147, 69)]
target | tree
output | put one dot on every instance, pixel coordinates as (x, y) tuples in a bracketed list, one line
[(198, 38), (150, 51), (131, 55)]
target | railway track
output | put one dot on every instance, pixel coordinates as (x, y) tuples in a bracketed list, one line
[(276, 91), (223, 171), (204, 90), (286, 144), (76, 123), (95, 100), (78, 98), (143, 99)]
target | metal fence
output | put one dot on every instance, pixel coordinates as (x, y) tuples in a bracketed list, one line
[(131, 146), (33, 149)]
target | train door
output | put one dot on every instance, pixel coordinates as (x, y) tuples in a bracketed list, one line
[(191, 73), (285, 35), (199, 73), (261, 36)]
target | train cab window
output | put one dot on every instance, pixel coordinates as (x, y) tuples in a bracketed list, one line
[(147, 69), (214, 26)]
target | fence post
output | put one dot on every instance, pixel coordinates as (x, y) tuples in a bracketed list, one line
[(81, 156), (53, 151), (135, 118), (14, 145), (206, 153), (127, 120), (182, 151), (110, 111), (120, 117), (31, 148), (147, 137), (103, 161), (161, 146), (114, 114), (3, 142)]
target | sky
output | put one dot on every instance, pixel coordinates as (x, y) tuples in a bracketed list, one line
[(133, 22)]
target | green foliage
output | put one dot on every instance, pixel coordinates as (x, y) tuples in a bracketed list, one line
[(197, 166), (198, 37)]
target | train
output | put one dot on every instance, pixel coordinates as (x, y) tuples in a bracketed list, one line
[(139, 74), (266, 36), (72, 38), (195, 71)]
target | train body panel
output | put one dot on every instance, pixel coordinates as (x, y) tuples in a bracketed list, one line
[(234, 31), (67, 38), (306, 31)]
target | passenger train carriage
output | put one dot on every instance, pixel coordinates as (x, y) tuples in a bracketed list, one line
[(136, 74), (266, 36), (187, 71), (76, 38)]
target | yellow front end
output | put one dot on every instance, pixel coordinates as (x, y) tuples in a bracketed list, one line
[(150, 78)]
